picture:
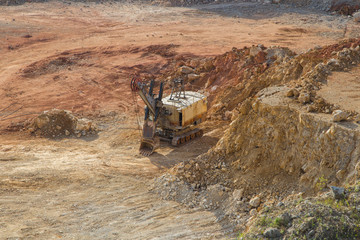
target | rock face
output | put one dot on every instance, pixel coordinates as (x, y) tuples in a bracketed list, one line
[(276, 144), (59, 123)]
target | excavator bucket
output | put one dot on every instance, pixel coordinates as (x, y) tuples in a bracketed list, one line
[(149, 142), (147, 147)]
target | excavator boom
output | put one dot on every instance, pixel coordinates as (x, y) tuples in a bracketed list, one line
[(149, 140)]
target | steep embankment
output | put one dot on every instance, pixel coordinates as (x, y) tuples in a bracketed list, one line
[(282, 141), (273, 137)]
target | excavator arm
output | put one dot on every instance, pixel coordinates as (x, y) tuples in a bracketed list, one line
[(149, 140)]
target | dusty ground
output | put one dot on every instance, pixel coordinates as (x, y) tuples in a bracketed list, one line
[(80, 57), (342, 89)]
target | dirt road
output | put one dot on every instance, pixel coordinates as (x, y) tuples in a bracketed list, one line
[(79, 57)]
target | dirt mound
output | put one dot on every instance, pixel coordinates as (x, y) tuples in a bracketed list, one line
[(60, 123), (55, 64)]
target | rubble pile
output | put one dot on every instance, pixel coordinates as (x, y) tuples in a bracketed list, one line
[(321, 217), (61, 123)]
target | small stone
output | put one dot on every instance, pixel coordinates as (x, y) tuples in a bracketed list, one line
[(193, 77), (339, 116), (186, 70), (237, 194), (228, 115), (357, 119), (272, 233), (357, 16), (307, 224), (310, 234), (208, 65), (338, 192), (253, 212), (254, 202), (292, 93), (311, 108), (254, 50), (340, 174), (67, 133), (285, 218), (304, 98), (280, 204)]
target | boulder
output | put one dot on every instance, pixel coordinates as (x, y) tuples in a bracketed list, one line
[(339, 116), (357, 16), (338, 192), (253, 212), (186, 70), (193, 76), (285, 219), (304, 98), (272, 233), (254, 50), (254, 202), (292, 93), (237, 194)]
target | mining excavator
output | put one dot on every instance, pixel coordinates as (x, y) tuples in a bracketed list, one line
[(172, 118)]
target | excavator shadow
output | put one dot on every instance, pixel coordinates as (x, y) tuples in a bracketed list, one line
[(182, 153)]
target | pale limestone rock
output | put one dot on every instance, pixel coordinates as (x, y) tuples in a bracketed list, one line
[(41, 121), (253, 212), (83, 125), (237, 194), (186, 70), (357, 16), (255, 50), (304, 98), (254, 202), (339, 116), (193, 76), (357, 118), (228, 115), (292, 93)]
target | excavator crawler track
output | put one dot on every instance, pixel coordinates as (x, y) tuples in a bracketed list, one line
[(186, 137)]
